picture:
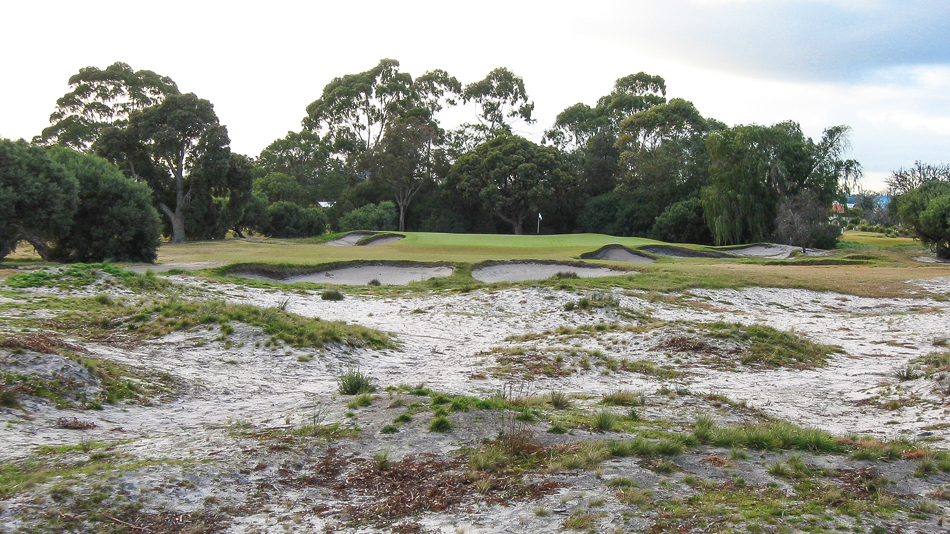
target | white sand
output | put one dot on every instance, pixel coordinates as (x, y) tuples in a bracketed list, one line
[(388, 275), (349, 240), (520, 272), (619, 254)]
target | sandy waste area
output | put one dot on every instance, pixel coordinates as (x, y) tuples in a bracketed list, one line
[(218, 451)]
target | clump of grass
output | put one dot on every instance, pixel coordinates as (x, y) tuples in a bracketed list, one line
[(331, 294), (8, 398), (402, 418), (623, 398), (374, 282), (775, 436), (566, 275), (360, 401), (381, 460), (765, 346), (389, 429), (440, 424), (906, 373), (354, 382), (605, 420), (703, 428), (559, 400)]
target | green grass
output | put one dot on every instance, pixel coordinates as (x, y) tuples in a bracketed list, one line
[(768, 347)]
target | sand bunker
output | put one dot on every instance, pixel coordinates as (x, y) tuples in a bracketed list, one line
[(380, 239), (387, 275), (523, 271), (778, 252), (349, 239), (180, 265), (353, 239), (618, 253), (683, 252)]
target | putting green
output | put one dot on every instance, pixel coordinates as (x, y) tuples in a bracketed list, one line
[(417, 246)]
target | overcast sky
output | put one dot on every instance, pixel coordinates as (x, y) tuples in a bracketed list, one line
[(879, 66)]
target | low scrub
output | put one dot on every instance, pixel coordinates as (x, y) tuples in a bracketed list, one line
[(767, 347)]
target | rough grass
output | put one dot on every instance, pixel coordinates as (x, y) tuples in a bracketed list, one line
[(173, 315), (768, 347)]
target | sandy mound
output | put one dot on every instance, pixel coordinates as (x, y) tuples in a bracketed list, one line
[(683, 252), (778, 252), (350, 239), (523, 271), (618, 253)]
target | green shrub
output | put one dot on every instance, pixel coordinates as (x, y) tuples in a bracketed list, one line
[(286, 219), (376, 217), (440, 424), (331, 294), (354, 382), (605, 420)]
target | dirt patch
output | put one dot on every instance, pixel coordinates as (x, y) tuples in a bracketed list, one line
[(618, 253), (521, 271)]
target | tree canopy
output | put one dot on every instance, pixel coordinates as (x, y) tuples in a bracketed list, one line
[(38, 198), (178, 147), (101, 98), (510, 175)]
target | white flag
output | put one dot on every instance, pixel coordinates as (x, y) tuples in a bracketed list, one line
[(539, 216)]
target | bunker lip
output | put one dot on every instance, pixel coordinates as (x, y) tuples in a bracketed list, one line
[(358, 272), (617, 252), (350, 239), (379, 239), (673, 251), (525, 270)]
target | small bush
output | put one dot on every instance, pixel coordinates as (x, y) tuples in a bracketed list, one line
[(605, 421), (331, 294), (440, 424), (906, 373), (8, 398), (402, 418), (559, 400), (569, 275), (354, 382), (374, 282), (623, 398), (389, 429), (361, 401)]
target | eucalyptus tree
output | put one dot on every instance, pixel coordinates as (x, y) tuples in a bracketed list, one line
[(663, 161), (579, 123), (510, 175), (179, 148), (101, 98), (402, 161), (500, 98)]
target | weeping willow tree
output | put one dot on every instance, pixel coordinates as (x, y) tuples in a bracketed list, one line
[(755, 168)]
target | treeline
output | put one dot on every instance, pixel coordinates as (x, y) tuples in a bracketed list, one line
[(372, 153)]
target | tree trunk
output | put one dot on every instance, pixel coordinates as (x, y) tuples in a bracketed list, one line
[(8, 247), (42, 248), (943, 251), (517, 226), (402, 217), (177, 220)]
